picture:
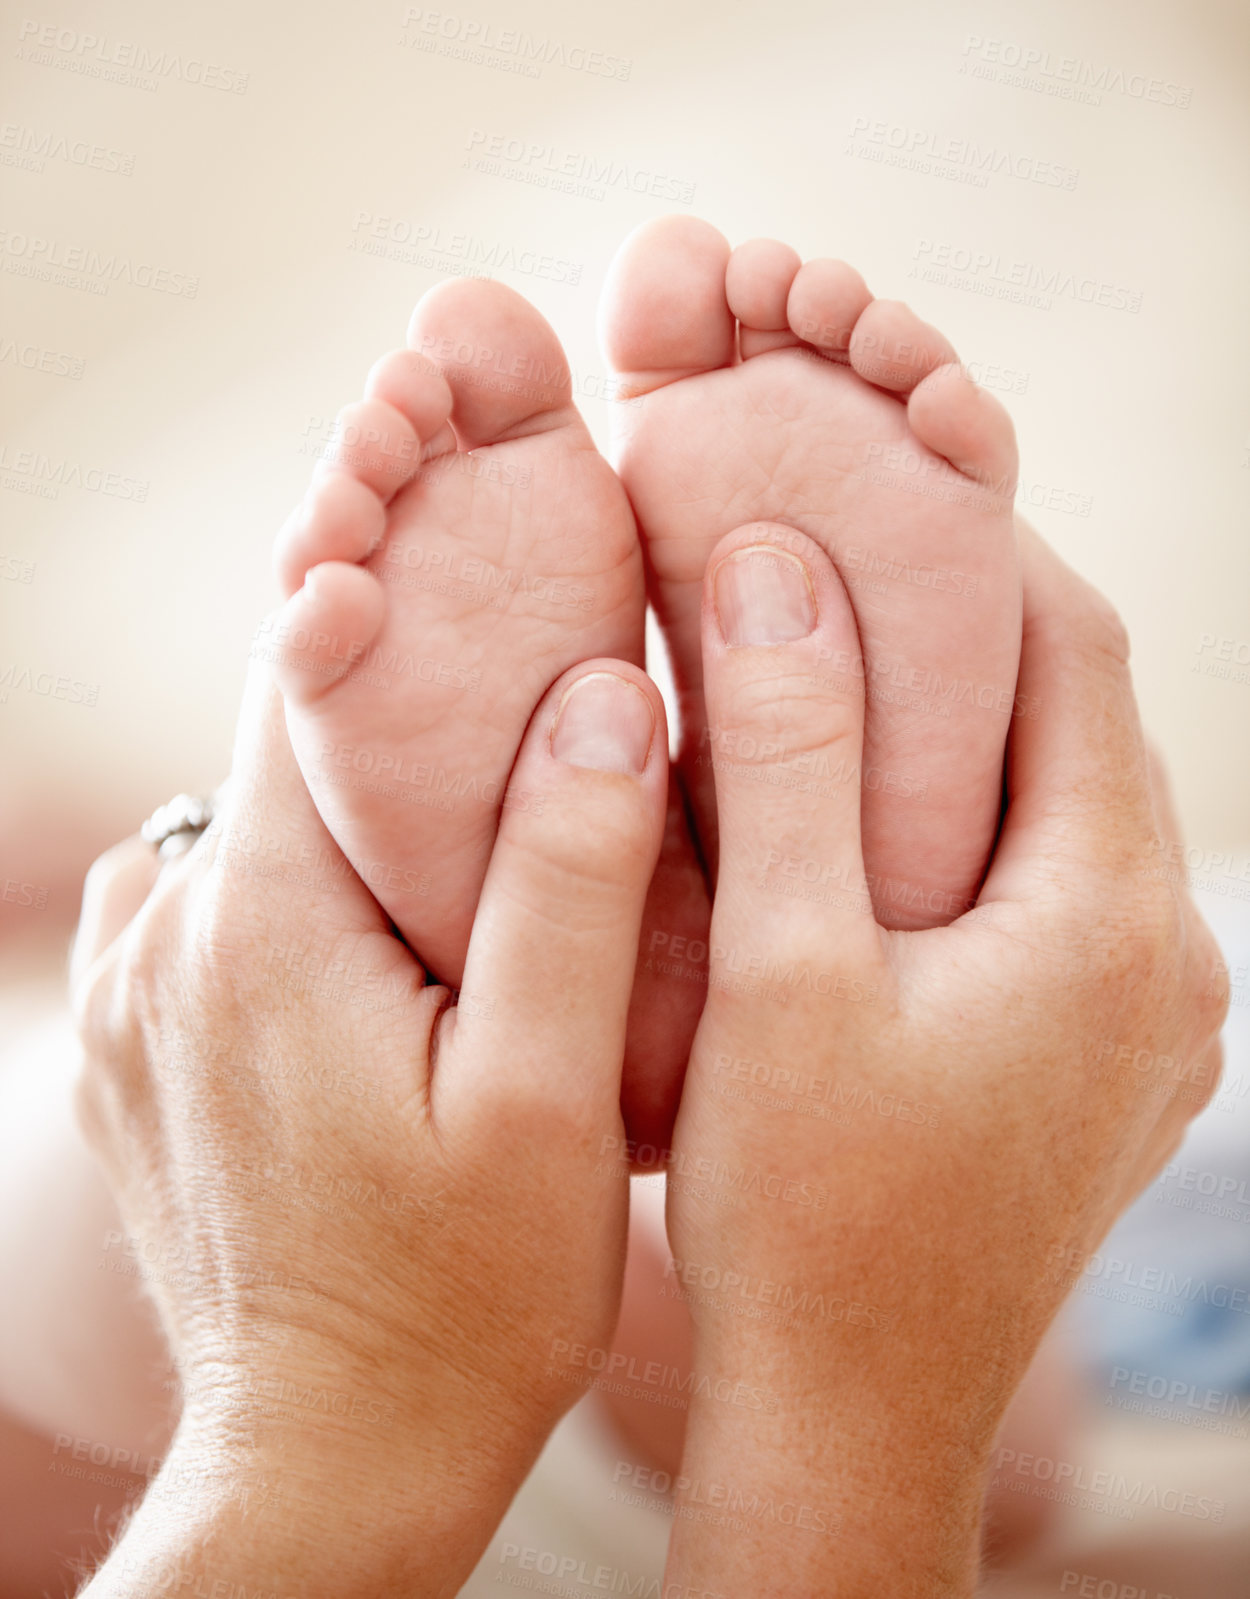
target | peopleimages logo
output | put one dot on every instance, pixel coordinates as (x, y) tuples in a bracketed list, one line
[(778, 1296), (469, 39), (1071, 1478), (1085, 1585), (1068, 77), (740, 1180), (30, 148), (547, 165), (1176, 1393), (572, 1575), (376, 234), (61, 687), (611, 1370), (1120, 1275), (97, 56), (83, 266), (1028, 282), (37, 358), (52, 474), (694, 1499), (794, 1086), (921, 149)]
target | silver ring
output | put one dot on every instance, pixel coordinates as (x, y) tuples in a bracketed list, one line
[(174, 827)]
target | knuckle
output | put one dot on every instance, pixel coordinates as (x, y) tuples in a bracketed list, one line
[(90, 1001), (1208, 984), (88, 1105), (229, 933), (577, 870), (1160, 925), (1156, 768), (779, 961), (1102, 629), (532, 1113), (110, 1006), (1207, 1086), (110, 867), (101, 871), (1157, 939), (791, 714), (1210, 1003), (1140, 948)]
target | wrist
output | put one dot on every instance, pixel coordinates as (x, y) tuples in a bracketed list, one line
[(847, 1357), (218, 1519), (837, 1479), (312, 1483), (394, 1416), (853, 1510)]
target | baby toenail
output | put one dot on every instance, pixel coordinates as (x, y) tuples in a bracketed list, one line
[(763, 596), (604, 723)]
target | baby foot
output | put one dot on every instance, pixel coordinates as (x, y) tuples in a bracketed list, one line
[(783, 392), (462, 546)]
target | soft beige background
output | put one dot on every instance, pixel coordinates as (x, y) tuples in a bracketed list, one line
[(217, 401)]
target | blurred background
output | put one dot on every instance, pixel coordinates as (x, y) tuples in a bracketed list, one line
[(215, 219)]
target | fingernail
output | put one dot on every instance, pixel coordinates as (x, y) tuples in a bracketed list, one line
[(604, 723), (763, 596)]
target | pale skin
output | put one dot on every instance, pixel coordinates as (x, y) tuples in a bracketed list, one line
[(944, 1255), (534, 522), (886, 385), (429, 1314), (882, 1413), (765, 388), (463, 542)]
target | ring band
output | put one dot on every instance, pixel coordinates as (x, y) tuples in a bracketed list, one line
[(174, 827)]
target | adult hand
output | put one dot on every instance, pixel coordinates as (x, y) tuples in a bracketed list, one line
[(907, 1144), (363, 1208)]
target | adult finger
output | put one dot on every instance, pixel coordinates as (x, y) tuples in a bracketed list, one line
[(542, 1011), (784, 683), (268, 846), (115, 888), (1079, 795)]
